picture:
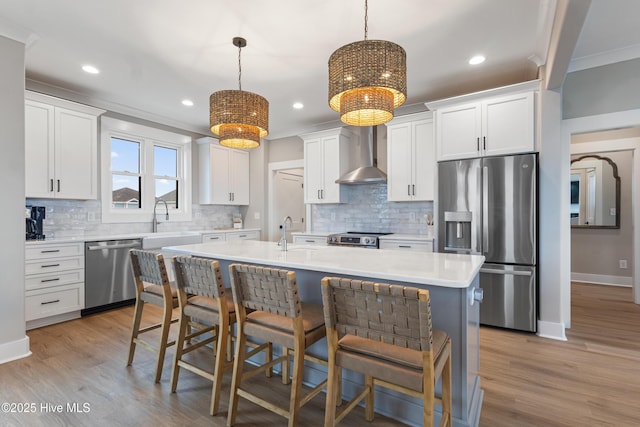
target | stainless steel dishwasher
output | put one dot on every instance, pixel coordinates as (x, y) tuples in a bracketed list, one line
[(108, 279)]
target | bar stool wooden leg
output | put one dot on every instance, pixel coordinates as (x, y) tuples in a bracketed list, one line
[(164, 337), (238, 364), (134, 330)]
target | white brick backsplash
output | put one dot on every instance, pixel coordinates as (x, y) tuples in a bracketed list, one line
[(76, 218), (367, 209)]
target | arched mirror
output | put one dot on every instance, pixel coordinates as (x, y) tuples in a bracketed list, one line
[(595, 192)]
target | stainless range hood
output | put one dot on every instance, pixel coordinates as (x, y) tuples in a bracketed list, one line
[(367, 172)]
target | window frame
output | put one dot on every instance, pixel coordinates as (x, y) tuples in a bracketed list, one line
[(148, 137)]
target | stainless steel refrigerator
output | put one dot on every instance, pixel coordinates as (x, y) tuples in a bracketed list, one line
[(488, 206)]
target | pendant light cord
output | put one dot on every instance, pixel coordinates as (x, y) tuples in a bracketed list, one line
[(366, 18), (239, 69)]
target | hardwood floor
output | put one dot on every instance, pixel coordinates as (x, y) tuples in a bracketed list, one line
[(593, 379)]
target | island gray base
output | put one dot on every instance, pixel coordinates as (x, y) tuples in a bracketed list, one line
[(452, 311)]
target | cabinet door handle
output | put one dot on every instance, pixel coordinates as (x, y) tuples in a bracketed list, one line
[(484, 142), (413, 189), (50, 265), (51, 185), (50, 302), (478, 144), (58, 186), (408, 189), (49, 280), (233, 197)]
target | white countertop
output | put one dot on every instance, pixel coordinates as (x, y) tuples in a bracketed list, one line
[(439, 269), (99, 237)]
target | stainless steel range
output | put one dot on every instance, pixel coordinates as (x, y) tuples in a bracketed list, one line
[(356, 238)]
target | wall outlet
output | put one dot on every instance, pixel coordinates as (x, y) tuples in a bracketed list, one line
[(412, 216), (333, 216), (612, 211), (622, 263), (91, 216), (256, 215)]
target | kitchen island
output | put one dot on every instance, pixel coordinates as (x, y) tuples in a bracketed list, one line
[(452, 281)]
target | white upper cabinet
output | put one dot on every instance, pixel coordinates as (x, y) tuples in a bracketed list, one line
[(224, 174), (479, 125), (326, 158), (411, 158), (61, 143)]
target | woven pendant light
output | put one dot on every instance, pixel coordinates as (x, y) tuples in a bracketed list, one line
[(238, 117), (367, 80)]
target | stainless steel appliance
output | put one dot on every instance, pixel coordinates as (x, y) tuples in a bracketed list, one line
[(356, 238), (108, 276), (488, 206), (34, 216)]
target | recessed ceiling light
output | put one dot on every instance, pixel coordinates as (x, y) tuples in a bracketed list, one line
[(298, 105), (187, 103), (90, 69), (478, 59)]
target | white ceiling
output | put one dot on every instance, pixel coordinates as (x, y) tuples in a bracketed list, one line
[(152, 54)]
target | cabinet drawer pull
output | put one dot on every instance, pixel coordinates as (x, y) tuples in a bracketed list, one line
[(214, 238), (50, 251), (50, 302), (310, 241), (49, 280), (242, 235), (50, 265), (405, 246)]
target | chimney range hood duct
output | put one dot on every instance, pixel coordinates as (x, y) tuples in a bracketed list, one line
[(367, 173)]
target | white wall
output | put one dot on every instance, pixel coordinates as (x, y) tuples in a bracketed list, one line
[(13, 341), (554, 248)]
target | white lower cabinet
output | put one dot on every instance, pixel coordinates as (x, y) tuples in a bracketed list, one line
[(221, 236), (407, 243), (243, 235), (54, 283), (309, 239)]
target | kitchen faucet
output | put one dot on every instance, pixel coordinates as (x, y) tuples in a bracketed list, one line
[(283, 241), (154, 223)]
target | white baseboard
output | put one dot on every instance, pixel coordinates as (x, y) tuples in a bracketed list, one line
[(602, 279), (14, 350), (551, 330)]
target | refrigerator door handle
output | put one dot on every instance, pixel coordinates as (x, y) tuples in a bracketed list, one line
[(485, 210), (506, 272)]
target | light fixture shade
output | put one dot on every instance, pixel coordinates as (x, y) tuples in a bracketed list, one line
[(367, 80), (239, 118)]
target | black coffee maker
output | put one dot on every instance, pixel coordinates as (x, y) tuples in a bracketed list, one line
[(34, 215)]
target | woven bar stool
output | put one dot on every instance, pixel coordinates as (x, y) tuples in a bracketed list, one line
[(280, 318), (384, 332), (152, 285), (205, 309)]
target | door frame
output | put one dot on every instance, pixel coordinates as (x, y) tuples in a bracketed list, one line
[(604, 122), (273, 168)]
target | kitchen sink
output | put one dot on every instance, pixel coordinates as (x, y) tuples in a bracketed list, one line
[(159, 240)]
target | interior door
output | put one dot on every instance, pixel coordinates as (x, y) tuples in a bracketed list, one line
[(289, 195)]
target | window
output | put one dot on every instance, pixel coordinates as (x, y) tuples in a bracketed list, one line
[(125, 174), (140, 167)]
